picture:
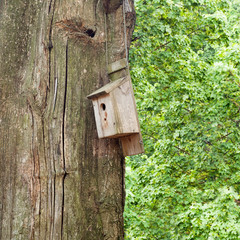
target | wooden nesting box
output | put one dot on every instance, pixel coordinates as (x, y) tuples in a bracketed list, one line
[(114, 110)]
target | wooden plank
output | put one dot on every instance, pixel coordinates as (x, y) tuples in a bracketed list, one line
[(104, 117), (116, 66), (132, 145), (119, 74), (124, 109)]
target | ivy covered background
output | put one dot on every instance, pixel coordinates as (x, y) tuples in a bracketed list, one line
[(185, 66)]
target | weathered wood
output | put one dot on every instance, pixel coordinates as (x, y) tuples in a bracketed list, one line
[(104, 117), (124, 107), (132, 145), (115, 113), (115, 109), (111, 5), (57, 179), (107, 88), (118, 65)]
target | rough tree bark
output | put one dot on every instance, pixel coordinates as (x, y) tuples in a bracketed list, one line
[(57, 179)]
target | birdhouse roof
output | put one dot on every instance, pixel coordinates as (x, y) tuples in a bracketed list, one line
[(107, 88)]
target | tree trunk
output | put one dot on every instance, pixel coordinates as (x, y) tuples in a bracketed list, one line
[(57, 179)]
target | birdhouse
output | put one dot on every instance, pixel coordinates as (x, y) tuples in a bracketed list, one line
[(115, 111)]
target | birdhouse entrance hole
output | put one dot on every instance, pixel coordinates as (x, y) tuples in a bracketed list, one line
[(103, 106)]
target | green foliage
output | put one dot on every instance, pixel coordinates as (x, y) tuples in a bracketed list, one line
[(185, 67)]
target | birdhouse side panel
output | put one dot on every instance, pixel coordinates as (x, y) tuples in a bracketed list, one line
[(125, 110), (105, 119)]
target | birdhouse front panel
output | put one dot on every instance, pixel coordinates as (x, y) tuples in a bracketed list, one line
[(105, 119), (125, 112)]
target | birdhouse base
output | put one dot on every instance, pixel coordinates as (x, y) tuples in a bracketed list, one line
[(132, 145)]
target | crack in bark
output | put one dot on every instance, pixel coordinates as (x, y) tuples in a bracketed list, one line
[(64, 108), (53, 173), (13, 180), (45, 160), (3, 179), (32, 177), (62, 220), (44, 142), (35, 188), (53, 204), (63, 137), (50, 45), (55, 93), (50, 5), (40, 190)]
